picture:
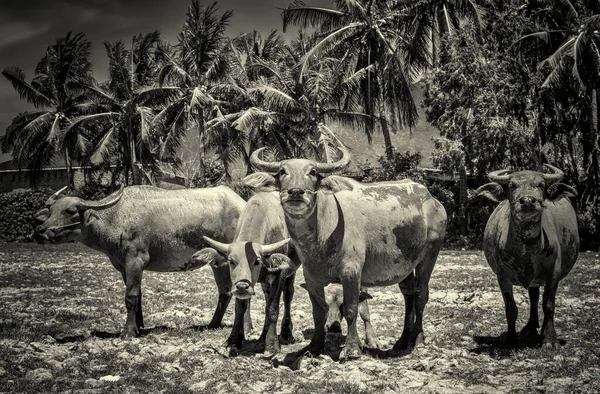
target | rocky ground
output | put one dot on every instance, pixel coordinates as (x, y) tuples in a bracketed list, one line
[(61, 310)]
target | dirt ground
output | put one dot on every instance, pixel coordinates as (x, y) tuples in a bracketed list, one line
[(62, 307)]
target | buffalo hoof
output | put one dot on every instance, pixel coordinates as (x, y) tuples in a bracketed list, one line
[(550, 342), (372, 343), (528, 332), (235, 342), (336, 328), (129, 334), (287, 335), (350, 353), (510, 340)]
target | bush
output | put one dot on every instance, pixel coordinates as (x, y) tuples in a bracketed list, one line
[(17, 210), (401, 165)]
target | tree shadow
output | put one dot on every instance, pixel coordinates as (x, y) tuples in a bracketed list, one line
[(496, 347)]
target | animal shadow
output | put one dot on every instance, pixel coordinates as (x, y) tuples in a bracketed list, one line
[(494, 346), (205, 327)]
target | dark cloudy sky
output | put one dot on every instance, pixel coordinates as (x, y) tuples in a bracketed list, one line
[(27, 27)]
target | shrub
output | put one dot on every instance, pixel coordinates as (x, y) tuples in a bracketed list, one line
[(17, 210), (401, 165)]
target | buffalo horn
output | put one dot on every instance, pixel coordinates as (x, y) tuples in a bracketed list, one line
[(219, 246), (268, 249), (556, 174), (338, 165), (500, 176), (53, 197), (104, 203), (262, 165)]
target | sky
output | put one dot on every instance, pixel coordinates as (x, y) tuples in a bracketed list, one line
[(28, 27)]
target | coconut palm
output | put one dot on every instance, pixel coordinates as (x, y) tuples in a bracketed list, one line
[(371, 35), (576, 36), (36, 137), (128, 102), (199, 71)]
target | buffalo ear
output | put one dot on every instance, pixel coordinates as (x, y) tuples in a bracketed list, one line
[(88, 215), (335, 183), (363, 295), (278, 262), (262, 181), (492, 191), (207, 256), (303, 285), (557, 191)]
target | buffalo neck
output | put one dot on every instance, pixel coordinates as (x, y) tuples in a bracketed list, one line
[(317, 230), (529, 231)]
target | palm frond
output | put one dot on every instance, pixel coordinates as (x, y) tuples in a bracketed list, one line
[(27, 92)]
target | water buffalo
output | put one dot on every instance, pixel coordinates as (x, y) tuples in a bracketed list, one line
[(351, 233), (146, 228), (334, 296), (251, 258), (530, 239)]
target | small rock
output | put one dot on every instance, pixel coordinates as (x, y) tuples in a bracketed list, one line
[(110, 378), (2, 372), (93, 383), (55, 364), (199, 386), (39, 375)]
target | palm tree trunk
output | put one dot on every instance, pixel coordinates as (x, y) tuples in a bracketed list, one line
[(387, 140), (69, 167), (132, 161), (463, 199)]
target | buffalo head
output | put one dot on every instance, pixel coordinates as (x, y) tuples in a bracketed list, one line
[(245, 261), (62, 219), (298, 180), (526, 191)]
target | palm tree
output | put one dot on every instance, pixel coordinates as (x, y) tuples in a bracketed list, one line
[(578, 44), (370, 35), (428, 20), (292, 106), (36, 137), (127, 102), (199, 71)]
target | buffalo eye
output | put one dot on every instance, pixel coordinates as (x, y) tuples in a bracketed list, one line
[(232, 262), (541, 185), (282, 172), (512, 185), (257, 262), (313, 172), (71, 211)]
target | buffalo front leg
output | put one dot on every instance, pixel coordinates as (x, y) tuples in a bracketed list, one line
[(267, 288), (510, 308), (530, 329), (316, 294), (236, 338), (287, 327), (133, 280), (272, 316), (548, 305), (351, 287), (139, 316), (223, 282)]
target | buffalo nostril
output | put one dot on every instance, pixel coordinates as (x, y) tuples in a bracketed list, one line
[(527, 200), (242, 286), (296, 191), (40, 229)]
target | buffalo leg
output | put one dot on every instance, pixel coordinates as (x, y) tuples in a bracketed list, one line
[(510, 308), (530, 329), (271, 340), (365, 315), (139, 316), (548, 330), (267, 288), (133, 280), (351, 286), (236, 338), (223, 281), (316, 293), (287, 327), (407, 287)]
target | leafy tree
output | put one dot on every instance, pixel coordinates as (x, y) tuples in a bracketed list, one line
[(369, 34), (36, 137), (126, 105)]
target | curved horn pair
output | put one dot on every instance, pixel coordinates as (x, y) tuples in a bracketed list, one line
[(104, 203), (226, 248), (219, 246), (272, 248), (502, 176), (324, 168), (53, 197)]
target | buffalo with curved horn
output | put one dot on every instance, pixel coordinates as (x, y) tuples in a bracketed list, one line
[(347, 232), (146, 228), (531, 239)]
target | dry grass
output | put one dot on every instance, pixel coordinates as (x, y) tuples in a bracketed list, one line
[(61, 308)]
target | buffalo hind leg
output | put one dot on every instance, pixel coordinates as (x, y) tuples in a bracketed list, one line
[(407, 287), (510, 308), (287, 327), (223, 282), (530, 329), (267, 289), (272, 316), (365, 315)]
